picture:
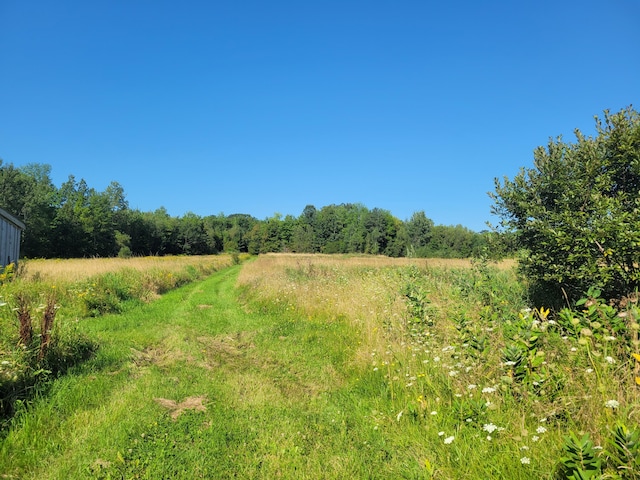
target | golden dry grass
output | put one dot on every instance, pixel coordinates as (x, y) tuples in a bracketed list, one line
[(75, 269), (365, 290)]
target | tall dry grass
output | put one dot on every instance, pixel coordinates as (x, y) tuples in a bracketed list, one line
[(363, 290), (76, 269)]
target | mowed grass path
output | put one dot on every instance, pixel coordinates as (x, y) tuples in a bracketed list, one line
[(196, 385)]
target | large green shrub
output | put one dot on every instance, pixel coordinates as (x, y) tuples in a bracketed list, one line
[(577, 212)]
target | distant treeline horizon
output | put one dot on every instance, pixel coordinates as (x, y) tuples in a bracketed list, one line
[(75, 221)]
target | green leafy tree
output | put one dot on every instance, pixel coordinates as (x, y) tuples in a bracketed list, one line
[(450, 241), (418, 229), (28, 193), (191, 235), (577, 212), (69, 238)]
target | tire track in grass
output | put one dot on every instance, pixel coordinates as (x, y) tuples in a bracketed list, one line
[(266, 383)]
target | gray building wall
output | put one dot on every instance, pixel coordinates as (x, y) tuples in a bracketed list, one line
[(10, 230)]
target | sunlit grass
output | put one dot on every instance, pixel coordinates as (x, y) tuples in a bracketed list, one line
[(338, 367), (75, 269)]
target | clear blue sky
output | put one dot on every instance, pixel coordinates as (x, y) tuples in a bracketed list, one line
[(263, 107)]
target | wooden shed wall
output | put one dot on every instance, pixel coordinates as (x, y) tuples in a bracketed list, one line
[(10, 230)]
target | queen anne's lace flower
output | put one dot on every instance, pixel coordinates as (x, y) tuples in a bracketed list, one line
[(489, 427)]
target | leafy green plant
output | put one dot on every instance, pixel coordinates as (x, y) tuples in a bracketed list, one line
[(623, 451), (7, 273), (580, 460)]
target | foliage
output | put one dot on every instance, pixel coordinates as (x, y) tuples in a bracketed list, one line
[(581, 461), (76, 221), (577, 212)]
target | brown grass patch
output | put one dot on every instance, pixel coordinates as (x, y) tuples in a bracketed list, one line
[(76, 269), (176, 409)]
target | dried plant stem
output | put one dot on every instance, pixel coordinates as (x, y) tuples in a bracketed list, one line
[(47, 326), (24, 317)]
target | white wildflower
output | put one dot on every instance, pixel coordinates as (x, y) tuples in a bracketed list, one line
[(612, 404), (489, 427), (525, 460), (449, 440)]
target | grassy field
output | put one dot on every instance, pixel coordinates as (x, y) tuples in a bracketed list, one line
[(78, 269), (310, 366)]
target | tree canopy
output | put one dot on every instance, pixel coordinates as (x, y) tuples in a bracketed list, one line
[(75, 220), (577, 212)]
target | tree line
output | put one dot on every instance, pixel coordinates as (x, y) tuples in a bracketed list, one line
[(75, 220)]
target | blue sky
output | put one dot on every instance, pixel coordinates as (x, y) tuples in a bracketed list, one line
[(265, 107)]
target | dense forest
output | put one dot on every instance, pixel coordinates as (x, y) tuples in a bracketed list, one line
[(75, 220)]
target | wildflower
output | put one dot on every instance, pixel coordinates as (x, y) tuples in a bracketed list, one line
[(440, 434), (449, 440), (434, 413), (489, 427), (525, 460), (589, 370), (524, 447), (453, 373), (535, 438), (612, 404), (609, 360), (471, 387), (488, 390), (541, 429), (489, 438)]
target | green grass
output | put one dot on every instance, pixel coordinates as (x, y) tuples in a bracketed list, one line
[(278, 395), (328, 375)]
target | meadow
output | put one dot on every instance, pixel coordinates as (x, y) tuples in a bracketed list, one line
[(321, 366)]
